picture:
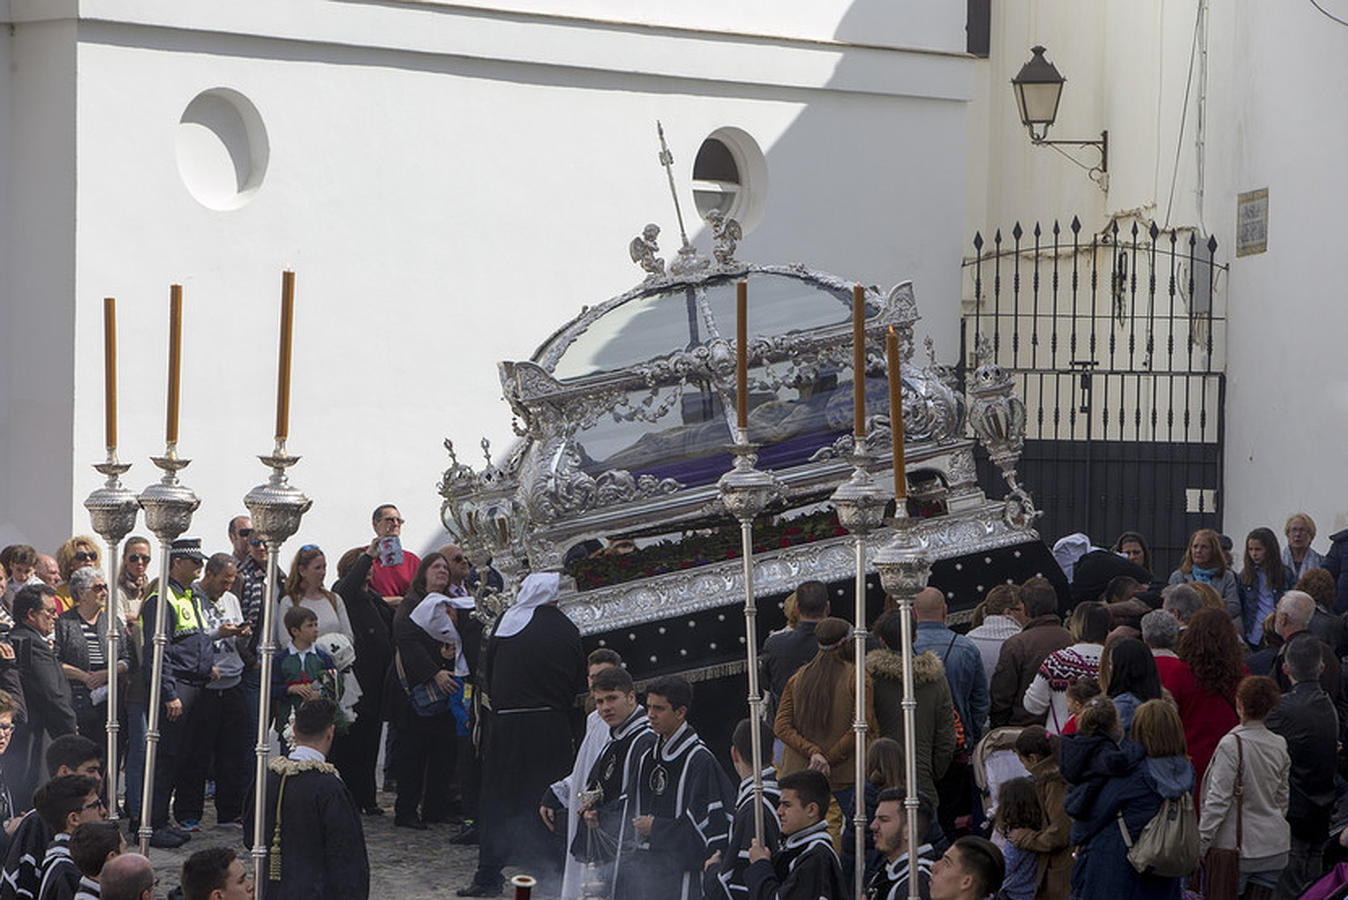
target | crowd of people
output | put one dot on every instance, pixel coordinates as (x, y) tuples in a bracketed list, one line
[(1061, 729), (1050, 739)]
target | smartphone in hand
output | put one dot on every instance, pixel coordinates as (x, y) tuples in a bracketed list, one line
[(390, 552)]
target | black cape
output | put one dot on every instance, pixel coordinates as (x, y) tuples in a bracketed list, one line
[(806, 868), (683, 787), (728, 880), (322, 843)]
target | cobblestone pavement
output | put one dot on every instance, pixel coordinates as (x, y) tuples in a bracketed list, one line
[(404, 863)]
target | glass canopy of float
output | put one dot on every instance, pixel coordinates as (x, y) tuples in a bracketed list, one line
[(677, 422)]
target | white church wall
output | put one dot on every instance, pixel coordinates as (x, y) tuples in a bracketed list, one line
[(36, 414), (442, 211), (1277, 123), (1261, 112)]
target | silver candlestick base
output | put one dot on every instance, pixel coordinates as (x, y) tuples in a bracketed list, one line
[(904, 569), (276, 507), (745, 491), (168, 506), (112, 508), (112, 512), (860, 500), (860, 504)]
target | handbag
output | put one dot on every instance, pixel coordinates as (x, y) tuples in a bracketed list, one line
[(1168, 844), (427, 698), (1221, 867)]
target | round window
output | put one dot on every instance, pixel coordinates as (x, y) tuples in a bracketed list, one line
[(730, 176), (222, 149)]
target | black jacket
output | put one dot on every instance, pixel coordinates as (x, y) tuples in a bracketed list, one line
[(71, 648), (784, 653), (372, 626), (46, 692), (1307, 720), (1336, 562)]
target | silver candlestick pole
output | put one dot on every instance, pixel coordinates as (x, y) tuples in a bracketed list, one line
[(904, 570), (860, 503), (112, 511), (745, 490), (276, 508), (168, 506)]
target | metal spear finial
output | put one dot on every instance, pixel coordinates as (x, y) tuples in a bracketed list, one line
[(667, 160)]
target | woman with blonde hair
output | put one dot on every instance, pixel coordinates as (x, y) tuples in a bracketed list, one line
[(1299, 557), (1205, 561), (76, 553), (304, 586)]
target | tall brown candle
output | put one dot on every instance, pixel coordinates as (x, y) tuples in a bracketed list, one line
[(742, 353), (110, 372), (283, 365), (896, 415), (175, 361), (859, 361)]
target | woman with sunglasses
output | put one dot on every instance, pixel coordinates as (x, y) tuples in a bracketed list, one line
[(80, 642), (74, 554), (304, 586), (133, 578)]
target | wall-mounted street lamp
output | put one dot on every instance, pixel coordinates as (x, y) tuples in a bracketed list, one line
[(1038, 88)]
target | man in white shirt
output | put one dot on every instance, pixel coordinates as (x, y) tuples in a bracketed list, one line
[(1005, 617)]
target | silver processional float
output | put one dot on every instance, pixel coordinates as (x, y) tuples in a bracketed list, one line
[(657, 418)]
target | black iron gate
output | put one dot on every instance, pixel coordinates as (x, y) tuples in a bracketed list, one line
[(1117, 343)]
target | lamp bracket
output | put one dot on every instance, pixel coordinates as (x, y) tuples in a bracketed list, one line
[(1099, 174)]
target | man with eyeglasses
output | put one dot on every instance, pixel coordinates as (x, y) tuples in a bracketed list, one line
[(392, 581), (64, 804), (46, 691)]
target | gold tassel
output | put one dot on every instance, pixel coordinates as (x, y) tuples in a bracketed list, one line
[(274, 867)]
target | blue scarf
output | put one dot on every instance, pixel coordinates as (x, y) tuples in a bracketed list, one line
[(1205, 575)]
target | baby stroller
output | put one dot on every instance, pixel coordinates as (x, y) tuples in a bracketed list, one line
[(994, 762)]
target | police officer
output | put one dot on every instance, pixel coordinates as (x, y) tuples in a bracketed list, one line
[(188, 668)]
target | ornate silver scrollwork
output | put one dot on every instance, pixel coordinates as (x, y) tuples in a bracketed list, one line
[(571, 490), (112, 508), (998, 418)]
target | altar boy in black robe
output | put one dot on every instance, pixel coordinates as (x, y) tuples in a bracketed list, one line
[(605, 802), (317, 828), (683, 803), (724, 876), (806, 867)]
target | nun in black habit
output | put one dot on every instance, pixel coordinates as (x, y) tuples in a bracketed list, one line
[(534, 668)]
